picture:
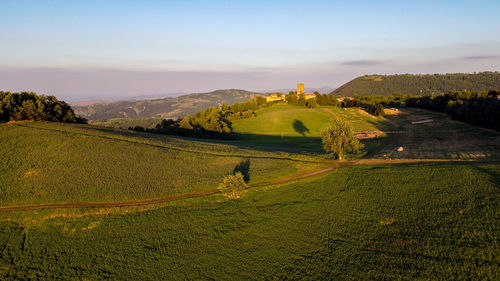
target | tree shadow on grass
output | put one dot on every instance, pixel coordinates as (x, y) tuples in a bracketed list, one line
[(300, 128), (244, 168)]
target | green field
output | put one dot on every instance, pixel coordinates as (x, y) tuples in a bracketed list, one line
[(406, 222), (294, 128), (54, 162)]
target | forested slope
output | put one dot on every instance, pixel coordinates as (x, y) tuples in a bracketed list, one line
[(419, 84)]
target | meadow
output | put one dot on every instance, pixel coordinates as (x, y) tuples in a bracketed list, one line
[(293, 128), (55, 162), (406, 222)]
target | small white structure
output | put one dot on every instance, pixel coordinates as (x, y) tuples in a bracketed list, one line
[(422, 121), (400, 149)]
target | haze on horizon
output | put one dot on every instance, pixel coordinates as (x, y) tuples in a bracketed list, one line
[(103, 49)]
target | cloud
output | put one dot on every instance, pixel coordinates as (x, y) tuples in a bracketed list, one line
[(361, 62), (479, 57)]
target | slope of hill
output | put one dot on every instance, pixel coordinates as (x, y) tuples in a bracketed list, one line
[(177, 107), (418, 84), (286, 127), (46, 162)]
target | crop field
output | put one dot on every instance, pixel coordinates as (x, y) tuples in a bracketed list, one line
[(442, 138), (46, 162), (407, 222)]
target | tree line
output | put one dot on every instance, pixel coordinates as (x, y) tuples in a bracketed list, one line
[(213, 122), (369, 104), (479, 108), (30, 106), (319, 99)]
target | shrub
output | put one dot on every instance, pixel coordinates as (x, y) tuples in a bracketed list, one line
[(233, 185)]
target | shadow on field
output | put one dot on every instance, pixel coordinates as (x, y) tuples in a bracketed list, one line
[(300, 128), (299, 144), (266, 143), (244, 168)]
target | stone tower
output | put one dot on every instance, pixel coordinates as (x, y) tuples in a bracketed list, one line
[(300, 89)]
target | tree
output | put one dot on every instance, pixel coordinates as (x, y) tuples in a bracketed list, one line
[(233, 185), (339, 139), (292, 97), (302, 99), (30, 106)]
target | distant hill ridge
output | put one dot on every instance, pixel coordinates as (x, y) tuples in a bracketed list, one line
[(423, 84), (170, 107)]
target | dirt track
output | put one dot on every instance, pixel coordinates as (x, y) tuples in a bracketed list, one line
[(214, 191)]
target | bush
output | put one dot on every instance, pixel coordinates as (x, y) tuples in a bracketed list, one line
[(233, 185)]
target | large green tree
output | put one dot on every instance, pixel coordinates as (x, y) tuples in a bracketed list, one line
[(339, 139), (30, 106)]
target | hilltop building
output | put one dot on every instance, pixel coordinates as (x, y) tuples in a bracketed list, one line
[(281, 97), (275, 97), (301, 90)]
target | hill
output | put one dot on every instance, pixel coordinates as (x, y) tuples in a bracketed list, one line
[(173, 108), (286, 127), (426, 84), (46, 162)]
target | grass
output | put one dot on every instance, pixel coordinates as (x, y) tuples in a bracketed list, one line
[(293, 128), (125, 123), (434, 221), (407, 222), (46, 162), (442, 139)]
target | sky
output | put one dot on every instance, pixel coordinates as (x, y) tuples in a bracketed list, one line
[(81, 50)]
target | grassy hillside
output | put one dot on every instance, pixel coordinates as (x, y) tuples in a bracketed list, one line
[(407, 222), (163, 108), (386, 85), (55, 162), (295, 128)]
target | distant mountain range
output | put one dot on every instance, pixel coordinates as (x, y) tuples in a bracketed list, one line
[(178, 107), (170, 107), (386, 85)]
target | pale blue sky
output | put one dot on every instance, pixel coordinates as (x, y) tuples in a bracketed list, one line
[(78, 49)]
